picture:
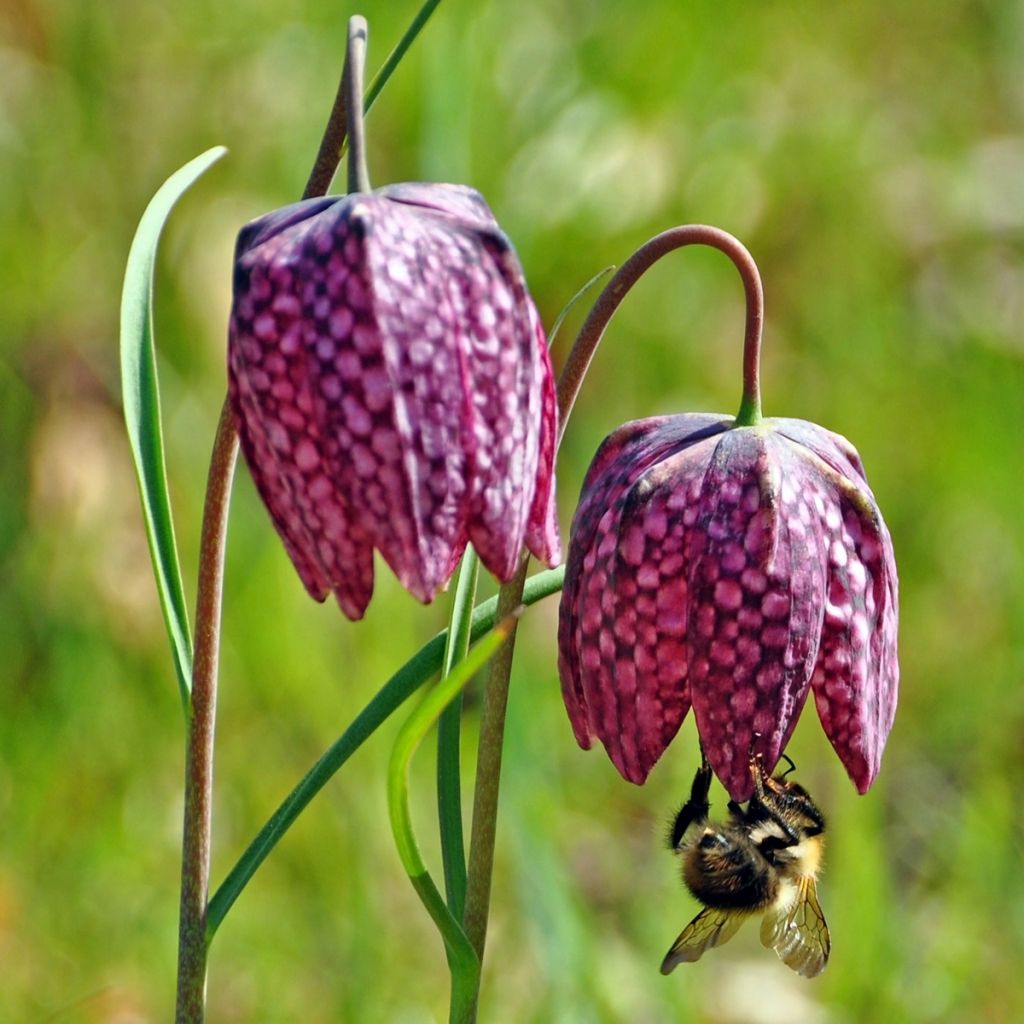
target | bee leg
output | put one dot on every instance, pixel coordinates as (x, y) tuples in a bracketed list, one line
[(696, 808), (757, 773)]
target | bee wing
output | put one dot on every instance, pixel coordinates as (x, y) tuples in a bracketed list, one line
[(799, 934), (709, 928)]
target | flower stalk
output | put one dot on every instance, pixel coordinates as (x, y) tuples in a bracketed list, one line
[(198, 918), (193, 944), (592, 331), (352, 76), (495, 697), (488, 771), (195, 851)]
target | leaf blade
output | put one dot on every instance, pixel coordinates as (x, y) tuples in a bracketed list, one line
[(141, 399)]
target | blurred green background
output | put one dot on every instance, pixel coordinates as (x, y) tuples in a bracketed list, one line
[(871, 156)]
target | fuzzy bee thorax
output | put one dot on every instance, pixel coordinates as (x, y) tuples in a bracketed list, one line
[(764, 860)]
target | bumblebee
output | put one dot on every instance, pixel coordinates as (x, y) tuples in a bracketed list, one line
[(763, 861)]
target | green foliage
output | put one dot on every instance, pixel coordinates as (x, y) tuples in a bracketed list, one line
[(140, 394), (868, 155)]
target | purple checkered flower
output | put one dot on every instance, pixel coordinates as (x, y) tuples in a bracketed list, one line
[(392, 388), (734, 570)]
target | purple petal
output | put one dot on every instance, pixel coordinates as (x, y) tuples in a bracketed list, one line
[(271, 397), (621, 458), (830, 447), (261, 230), (384, 351), (621, 655), (389, 436), (857, 672), (756, 604), (542, 528), (506, 384), (464, 205)]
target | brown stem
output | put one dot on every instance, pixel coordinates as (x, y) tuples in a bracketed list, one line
[(495, 699), (329, 154), (629, 273), (195, 847), (195, 853)]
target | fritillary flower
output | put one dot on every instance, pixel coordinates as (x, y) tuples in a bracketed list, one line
[(392, 388), (732, 566)]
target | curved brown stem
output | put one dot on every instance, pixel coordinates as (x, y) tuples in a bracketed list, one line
[(629, 273)]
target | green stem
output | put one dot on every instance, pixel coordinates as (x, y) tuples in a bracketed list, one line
[(423, 666), (449, 747), (196, 832), (355, 61), (463, 961), (488, 772), (629, 273)]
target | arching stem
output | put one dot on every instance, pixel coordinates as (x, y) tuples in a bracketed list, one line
[(629, 273)]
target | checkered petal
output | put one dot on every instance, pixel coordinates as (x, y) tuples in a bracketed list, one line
[(392, 389)]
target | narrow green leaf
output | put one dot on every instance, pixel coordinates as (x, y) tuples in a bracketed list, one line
[(567, 308), (462, 959), (395, 56), (141, 397), (449, 742), (420, 668)]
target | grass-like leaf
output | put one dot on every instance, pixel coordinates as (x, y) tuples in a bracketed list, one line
[(141, 397), (449, 742), (567, 308), (419, 669), (462, 959)]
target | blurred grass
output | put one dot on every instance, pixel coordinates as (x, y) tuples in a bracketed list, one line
[(872, 158)]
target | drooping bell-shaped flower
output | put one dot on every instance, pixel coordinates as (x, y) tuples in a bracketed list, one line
[(392, 388), (731, 566)]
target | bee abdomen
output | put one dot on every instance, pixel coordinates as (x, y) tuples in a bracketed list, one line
[(727, 872)]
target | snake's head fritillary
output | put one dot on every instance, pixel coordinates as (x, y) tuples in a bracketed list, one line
[(392, 388), (731, 569)]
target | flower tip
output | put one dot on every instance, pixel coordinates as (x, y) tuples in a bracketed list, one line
[(860, 771)]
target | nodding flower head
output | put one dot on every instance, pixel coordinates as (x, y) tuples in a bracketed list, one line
[(732, 568), (392, 389)]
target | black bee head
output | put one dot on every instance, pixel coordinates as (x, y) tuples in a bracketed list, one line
[(787, 801)]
